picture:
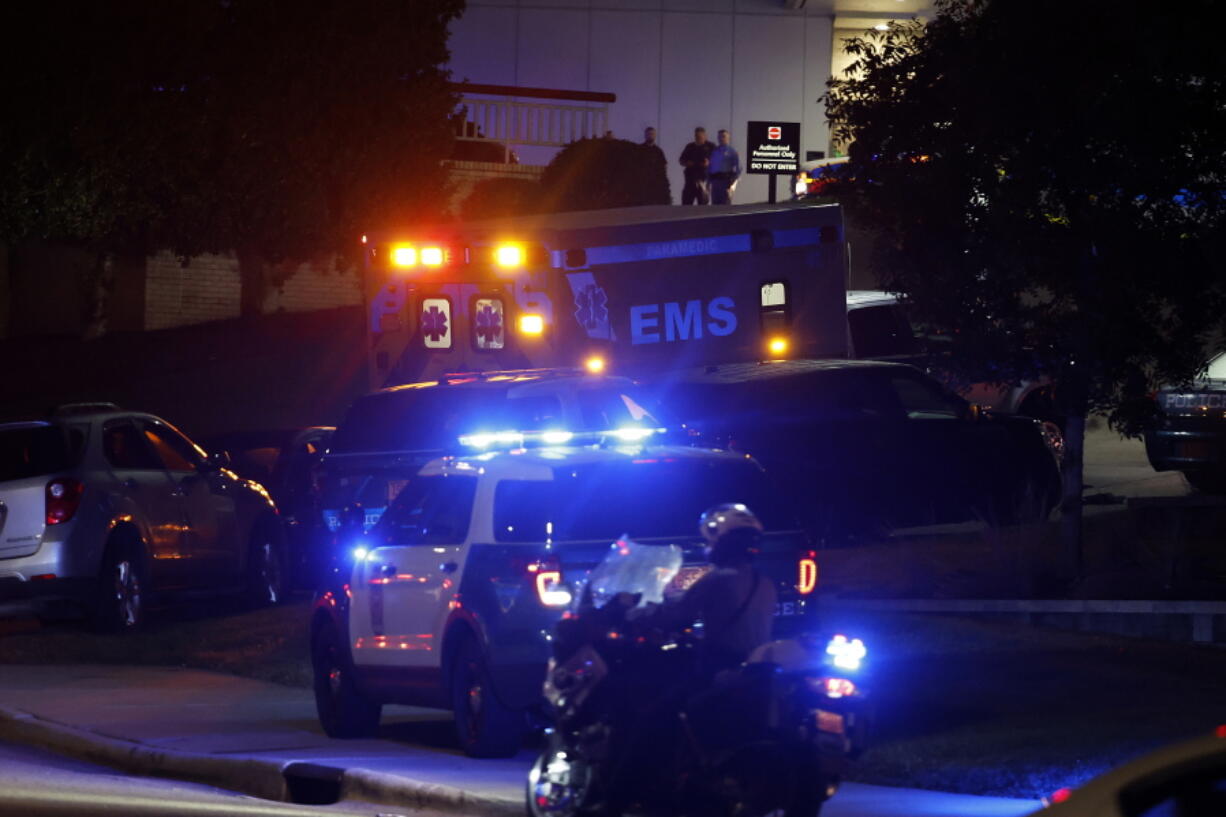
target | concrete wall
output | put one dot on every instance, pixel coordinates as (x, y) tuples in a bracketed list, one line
[(673, 64)]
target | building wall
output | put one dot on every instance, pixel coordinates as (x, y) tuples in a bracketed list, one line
[(209, 288), (673, 64)]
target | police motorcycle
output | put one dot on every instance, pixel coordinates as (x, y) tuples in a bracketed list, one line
[(637, 730)]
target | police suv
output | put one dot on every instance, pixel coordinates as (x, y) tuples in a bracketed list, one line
[(451, 598)]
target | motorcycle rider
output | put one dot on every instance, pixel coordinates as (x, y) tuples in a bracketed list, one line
[(735, 604), (733, 601)]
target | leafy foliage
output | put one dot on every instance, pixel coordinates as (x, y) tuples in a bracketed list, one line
[(496, 197), (1048, 188), (211, 125)]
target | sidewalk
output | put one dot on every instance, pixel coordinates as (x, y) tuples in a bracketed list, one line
[(244, 734)]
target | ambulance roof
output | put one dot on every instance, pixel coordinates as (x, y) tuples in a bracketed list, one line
[(625, 216)]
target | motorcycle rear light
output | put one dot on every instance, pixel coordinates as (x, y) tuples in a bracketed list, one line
[(835, 687), (63, 497), (806, 581)]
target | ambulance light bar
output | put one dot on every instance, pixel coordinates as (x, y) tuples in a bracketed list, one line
[(509, 256), (407, 256), (507, 440)]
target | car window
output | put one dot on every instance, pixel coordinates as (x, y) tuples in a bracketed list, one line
[(924, 400), (432, 510), (174, 450), (125, 447), (881, 331), (645, 498), (38, 450), (604, 409)]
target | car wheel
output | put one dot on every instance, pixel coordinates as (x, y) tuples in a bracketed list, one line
[(485, 727), (120, 605), (1207, 482), (344, 712), (265, 569)]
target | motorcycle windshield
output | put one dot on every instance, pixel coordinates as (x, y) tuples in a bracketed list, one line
[(629, 567)]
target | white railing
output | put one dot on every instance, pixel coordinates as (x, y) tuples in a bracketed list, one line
[(514, 116)]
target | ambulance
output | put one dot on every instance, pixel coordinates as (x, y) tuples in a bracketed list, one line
[(633, 290)]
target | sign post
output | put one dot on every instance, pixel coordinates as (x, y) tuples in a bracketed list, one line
[(774, 150)]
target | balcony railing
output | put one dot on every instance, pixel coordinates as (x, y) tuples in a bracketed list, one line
[(512, 116)]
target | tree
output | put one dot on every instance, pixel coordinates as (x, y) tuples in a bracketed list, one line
[(596, 174), (271, 128), (1048, 188)]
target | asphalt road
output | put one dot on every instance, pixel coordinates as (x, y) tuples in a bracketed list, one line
[(37, 783)]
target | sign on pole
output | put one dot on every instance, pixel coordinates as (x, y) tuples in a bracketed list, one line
[(774, 150), (774, 147)]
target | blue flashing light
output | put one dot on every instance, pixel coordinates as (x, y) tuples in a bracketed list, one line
[(517, 439), (846, 653), (359, 553)]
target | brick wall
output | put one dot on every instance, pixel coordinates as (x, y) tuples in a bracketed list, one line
[(207, 289), (316, 286)]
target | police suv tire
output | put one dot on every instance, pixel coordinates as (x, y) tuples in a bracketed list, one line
[(119, 604), (485, 726), (265, 579), (344, 712)]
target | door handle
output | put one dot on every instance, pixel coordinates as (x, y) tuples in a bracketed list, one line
[(388, 571), (448, 567)]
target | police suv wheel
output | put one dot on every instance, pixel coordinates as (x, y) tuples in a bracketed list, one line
[(344, 712), (485, 727)]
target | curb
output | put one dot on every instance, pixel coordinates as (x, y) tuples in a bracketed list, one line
[(265, 779), (258, 778)]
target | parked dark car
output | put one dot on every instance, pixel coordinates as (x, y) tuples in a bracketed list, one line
[(282, 461), (101, 509), (1191, 431), (863, 448)]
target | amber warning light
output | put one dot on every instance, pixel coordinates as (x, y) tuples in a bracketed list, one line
[(509, 256), (531, 324)]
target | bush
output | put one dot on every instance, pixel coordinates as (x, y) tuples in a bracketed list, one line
[(596, 174), (497, 197)]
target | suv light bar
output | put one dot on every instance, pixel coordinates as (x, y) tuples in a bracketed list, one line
[(507, 440)]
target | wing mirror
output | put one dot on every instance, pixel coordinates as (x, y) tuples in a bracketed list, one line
[(217, 460)]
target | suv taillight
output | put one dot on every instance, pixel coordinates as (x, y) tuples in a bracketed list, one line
[(63, 498), (806, 578), (547, 578)]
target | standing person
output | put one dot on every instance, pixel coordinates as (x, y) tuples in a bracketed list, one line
[(725, 169), (649, 141), (695, 159)]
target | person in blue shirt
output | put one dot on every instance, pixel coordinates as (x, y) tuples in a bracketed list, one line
[(724, 170)]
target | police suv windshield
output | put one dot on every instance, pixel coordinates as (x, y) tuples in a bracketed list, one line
[(648, 497)]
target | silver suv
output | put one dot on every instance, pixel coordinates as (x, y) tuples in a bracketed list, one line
[(101, 508)]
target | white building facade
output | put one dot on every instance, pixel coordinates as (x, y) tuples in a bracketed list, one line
[(674, 64)]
